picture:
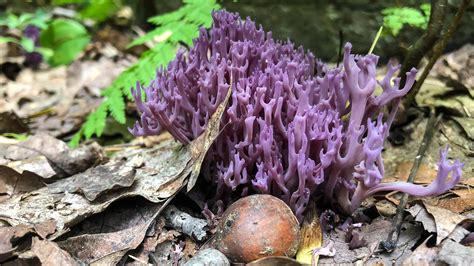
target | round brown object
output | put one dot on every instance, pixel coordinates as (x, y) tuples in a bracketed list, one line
[(257, 226)]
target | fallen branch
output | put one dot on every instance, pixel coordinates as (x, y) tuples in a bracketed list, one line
[(185, 223)]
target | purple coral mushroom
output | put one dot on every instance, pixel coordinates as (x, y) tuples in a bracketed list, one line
[(293, 127)]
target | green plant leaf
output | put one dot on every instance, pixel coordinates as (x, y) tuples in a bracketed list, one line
[(396, 17), (74, 142), (10, 20), (45, 52), (95, 121), (100, 10), (27, 44), (66, 38), (116, 105), (20, 137), (9, 39), (68, 2)]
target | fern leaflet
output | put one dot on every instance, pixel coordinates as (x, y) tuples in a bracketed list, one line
[(180, 26)]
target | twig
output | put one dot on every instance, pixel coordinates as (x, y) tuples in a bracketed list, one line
[(438, 50), (425, 42), (392, 239), (185, 223)]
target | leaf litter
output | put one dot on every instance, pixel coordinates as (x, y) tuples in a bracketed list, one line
[(155, 174)]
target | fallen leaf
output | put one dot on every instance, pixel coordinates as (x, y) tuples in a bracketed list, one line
[(386, 208), (422, 255), (49, 157), (91, 185), (162, 254), (421, 215), (435, 93), (11, 123), (425, 174), (109, 248), (49, 253), (45, 228), (457, 67), (373, 233), (445, 220), (160, 176), (463, 202), (454, 253), (190, 248), (467, 124), (311, 237), (11, 240), (13, 183), (147, 247)]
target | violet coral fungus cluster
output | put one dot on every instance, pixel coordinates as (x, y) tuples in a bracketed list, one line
[(293, 127)]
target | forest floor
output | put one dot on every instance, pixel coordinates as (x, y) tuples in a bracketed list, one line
[(105, 201)]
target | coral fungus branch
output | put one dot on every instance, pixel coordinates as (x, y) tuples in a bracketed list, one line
[(293, 128)]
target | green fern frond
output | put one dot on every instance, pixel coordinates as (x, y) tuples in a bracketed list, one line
[(180, 26), (116, 105), (95, 122), (396, 17)]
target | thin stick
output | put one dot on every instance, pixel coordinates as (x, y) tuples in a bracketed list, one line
[(438, 50), (372, 47), (392, 239)]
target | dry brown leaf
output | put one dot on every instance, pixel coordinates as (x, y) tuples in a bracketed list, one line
[(457, 67), (45, 228), (50, 253), (464, 201), (386, 208), (147, 247), (448, 253), (11, 123), (11, 238), (445, 220), (453, 253), (422, 255), (90, 183), (425, 174), (436, 220), (421, 215), (48, 157), (14, 183), (57, 100), (158, 173), (373, 233), (109, 248), (34, 91), (190, 248)]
